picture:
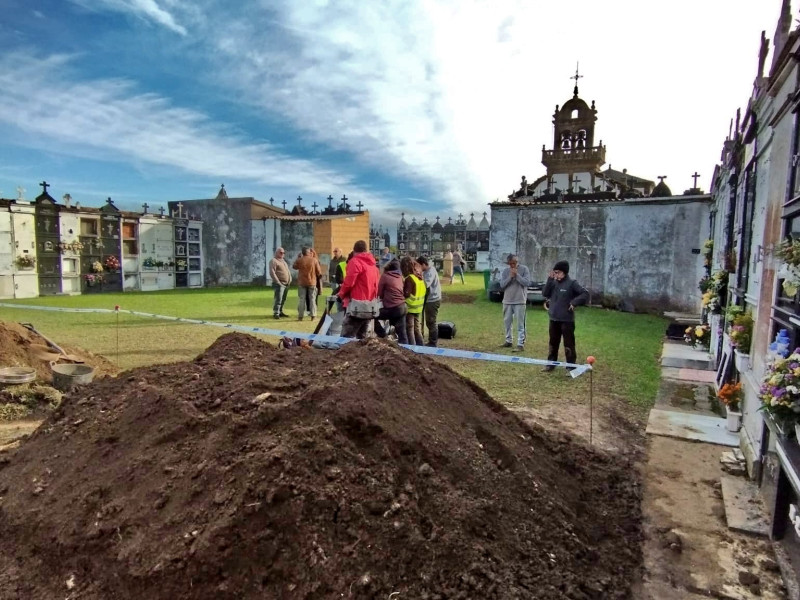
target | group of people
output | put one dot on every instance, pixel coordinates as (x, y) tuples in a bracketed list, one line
[(403, 292), (561, 293), (406, 292), (309, 282)]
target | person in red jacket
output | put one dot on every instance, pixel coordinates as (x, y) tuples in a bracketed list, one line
[(359, 292)]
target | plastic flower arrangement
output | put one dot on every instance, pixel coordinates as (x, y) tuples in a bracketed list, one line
[(788, 251), (741, 332), (708, 252), (149, 262), (26, 261), (93, 279), (111, 263), (713, 289), (697, 334), (97, 267), (730, 395), (780, 389)]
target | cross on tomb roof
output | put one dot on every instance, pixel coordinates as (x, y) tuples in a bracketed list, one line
[(695, 176), (661, 178), (284, 205), (314, 207), (271, 201), (299, 201), (161, 210), (359, 206), (145, 206), (44, 185), (330, 201)]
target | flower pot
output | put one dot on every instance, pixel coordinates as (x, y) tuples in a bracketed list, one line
[(741, 360), (734, 420)]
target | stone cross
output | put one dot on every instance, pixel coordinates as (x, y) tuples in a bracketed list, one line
[(661, 178), (44, 185), (449, 220), (344, 202), (299, 201), (271, 201), (180, 209), (314, 206), (284, 205), (161, 210), (574, 180), (145, 206), (695, 176), (359, 206), (472, 215), (330, 201)]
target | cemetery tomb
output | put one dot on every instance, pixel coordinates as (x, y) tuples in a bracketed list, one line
[(157, 259), (130, 255), (48, 240), (6, 255), (91, 280), (111, 247), (23, 236), (70, 250), (188, 253)]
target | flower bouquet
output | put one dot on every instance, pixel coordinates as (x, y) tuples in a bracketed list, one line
[(111, 263), (789, 252), (708, 253), (741, 332), (698, 335), (26, 261), (713, 289), (97, 267), (93, 279), (780, 390)]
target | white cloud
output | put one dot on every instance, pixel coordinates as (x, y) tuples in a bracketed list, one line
[(110, 117), (148, 10)]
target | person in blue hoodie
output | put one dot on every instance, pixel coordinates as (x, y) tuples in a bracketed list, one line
[(562, 295)]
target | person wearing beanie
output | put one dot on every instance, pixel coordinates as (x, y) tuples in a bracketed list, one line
[(562, 294), (514, 281)]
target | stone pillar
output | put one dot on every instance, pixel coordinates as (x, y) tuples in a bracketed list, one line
[(448, 264)]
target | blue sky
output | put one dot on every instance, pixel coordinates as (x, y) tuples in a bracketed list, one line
[(432, 108)]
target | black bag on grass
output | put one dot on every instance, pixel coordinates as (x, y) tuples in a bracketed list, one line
[(447, 330)]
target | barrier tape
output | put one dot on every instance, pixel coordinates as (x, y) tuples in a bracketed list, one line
[(576, 371)]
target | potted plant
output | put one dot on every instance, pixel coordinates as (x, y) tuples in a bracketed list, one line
[(741, 334), (780, 391), (730, 395), (698, 336), (26, 262)]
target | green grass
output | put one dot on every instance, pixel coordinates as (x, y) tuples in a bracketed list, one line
[(626, 346)]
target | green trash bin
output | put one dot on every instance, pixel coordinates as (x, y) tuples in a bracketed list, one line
[(487, 277)]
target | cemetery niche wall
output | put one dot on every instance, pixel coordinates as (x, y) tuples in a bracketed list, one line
[(47, 248)]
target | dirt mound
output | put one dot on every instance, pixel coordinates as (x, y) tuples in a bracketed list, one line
[(254, 472), (18, 348)]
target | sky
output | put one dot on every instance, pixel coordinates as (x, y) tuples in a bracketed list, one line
[(428, 108)]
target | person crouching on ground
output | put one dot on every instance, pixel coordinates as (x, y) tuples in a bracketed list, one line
[(390, 293), (414, 292), (433, 299), (359, 292), (514, 281), (562, 295)]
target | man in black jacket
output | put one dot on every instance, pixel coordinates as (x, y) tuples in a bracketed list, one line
[(562, 295)]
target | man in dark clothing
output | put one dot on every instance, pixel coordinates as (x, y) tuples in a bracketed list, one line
[(562, 295), (335, 275)]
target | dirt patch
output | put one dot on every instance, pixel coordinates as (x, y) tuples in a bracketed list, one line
[(18, 348), (458, 298), (254, 472)]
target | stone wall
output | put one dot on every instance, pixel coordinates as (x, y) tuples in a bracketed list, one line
[(645, 251)]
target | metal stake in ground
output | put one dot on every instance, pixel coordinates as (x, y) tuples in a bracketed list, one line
[(590, 360), (116, 310)]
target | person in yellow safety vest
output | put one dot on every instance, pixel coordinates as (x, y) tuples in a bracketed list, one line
[(414, 291)]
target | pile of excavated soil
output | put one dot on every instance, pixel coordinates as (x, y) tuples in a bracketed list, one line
[(254, 472), (18, 349)]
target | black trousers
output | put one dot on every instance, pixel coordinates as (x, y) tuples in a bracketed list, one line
[(397, 319), (565, 329)]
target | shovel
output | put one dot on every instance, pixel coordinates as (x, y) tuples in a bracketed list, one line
[(41, 350)]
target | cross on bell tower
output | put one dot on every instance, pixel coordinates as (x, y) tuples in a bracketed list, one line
[(576, 77)]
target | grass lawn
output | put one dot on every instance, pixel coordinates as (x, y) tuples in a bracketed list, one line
[(626, 346)]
